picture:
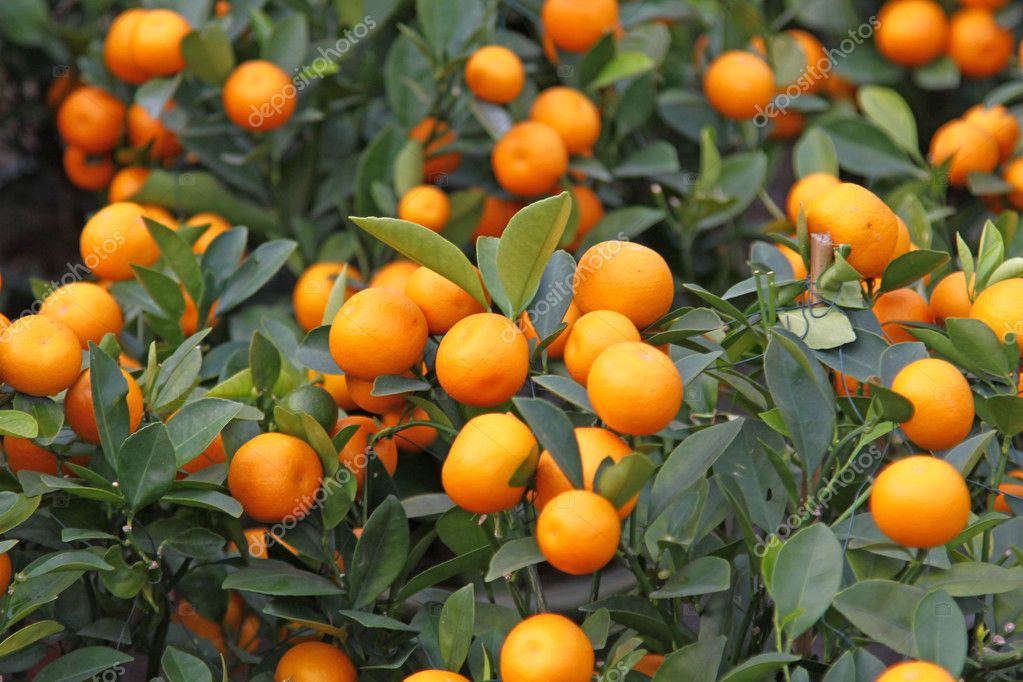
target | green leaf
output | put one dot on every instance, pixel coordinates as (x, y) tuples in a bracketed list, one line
[(457, 620), (889, 112), (179, 256), (380, 553), (624, 65), (179, 666), (197, 543), (806, 577), (146, 465), (82, 664), (280, 580), (375, 621), (882, 610), (760, 667), (125, 580), (974, 579), (208, 54), (205, 499), (18, 424), (622, 223), (704, 575), (689, 461), (939, 632), (408, 167), (288, 43), (656, 158), (76, 560), (27, 635), (512, 556), (814, 152), (865, 150), (818, 332), (258, 269), (445, 570), (554, 430), (264, 362), (532, 236), (696, 662), (109, 399), (910, 267), (486, 256), (622, 481), (47, 414), (194, 427)]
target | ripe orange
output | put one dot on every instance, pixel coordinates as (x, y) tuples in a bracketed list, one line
[(425, 205), (6, 571), (855, 216), (911, 32), (39, 355), (577, 25), (24, 455), (216, 226), (578, 532), (625, 277), (847, 386), (275, 477), (377, 331), (978, 45), (361, 391), (412, 438), (1012, 173), (920, 501), (88, 309), (571, 114), (436, 676), (356, 452), (556, 349), (901, 305), (942, 403), (483, 360), (442, 301), (436, 136), (649, 664), (312, 291), (739, 84), (970, 148), (495, 74), (199, 625), (483, 459), (89, 173), (997, 122), (904, 242), (916, 671), (126, 183), (156, 42), (805, 190), (190, 318), (144, 130), (634, 388), (337, 386), (1007, 487), (787, 124), (1000, 306), (529, 158), (315, 662), (591, 212), (950, 298), (117, 50), (213, 454), (91, 119), (259, 96), (547, 647), (114, 239), (595, 445), (80, 412), (795, 261), (497, 213), (591, 334), (986, 4), (394, 275)]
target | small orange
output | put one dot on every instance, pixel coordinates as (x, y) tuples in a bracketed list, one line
[(425, 205), (578, 532), (1000, 306), (39, 355), (483, 360), (114, 239), (593, 333), (126, 183), (649, 664), (846, 386), (413, 438), (222, 8), (315, 662), (839, 88), (216, 226), (920, 501), (88, 309), (901, 305), (484, 458), (942, 403), (6, 571), (394, 275), (337, 386), (986, 4), (577, 25), (978, 45), (997, 122), (591, 212), (190, 317), (259, 96), (950, 297), (970, 148), (91, 119), (275, 477), (144, 130), (117, 50), (436, 676), (805, 190), (80, 412), (529, 158), (739, 84), (312, 291), (60, 87), (199, 625), (357, 451), (626, 277), (257, 542), (795, 261), (497, 213), (854, 215), (571, 113), (1007, 487), (916, 671), (787, 124), (1012, 173), (635, 388), (377, 331), (911, 32), (436, 136), (547, 647), (24, 455), (361, 391), (442, 301), (156, 42), (495, 74), (556, 349), (595, 445), (89, 173), (213, 454)]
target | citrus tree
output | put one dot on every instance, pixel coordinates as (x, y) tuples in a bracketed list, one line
[(524, 341)]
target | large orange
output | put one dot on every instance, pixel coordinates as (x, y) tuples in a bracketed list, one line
[(436, 136), (91, 119), (1012, 486), (556, 348), (144, 130), (436, 676), (971, 149), (577, 25), (942, 403), (117, 50), (88, 309), (394, 275), (805, 190), (571, 113), (978, 45), (497, 213), (156, 42), (901, 305), (1000, 306), (920, 501), (259, 96), (312, 291), (412, 438), (114, 239), (216, 226), (315, 662), (545, 648), (442, 301), (591, 335), (126, 183), (377, 331), (39, 355), (739, 84), (950, 297), (484, 458), (495, 74), (854, 215), (916, 671), (24, 455), (997, 122), (578, 532), (626, 277), (425, 205), (89, 173), (911, 32), (357, 451), (80, 412), (635, 388), (529, 158), (275, 477), (483, 360), (595, 445)]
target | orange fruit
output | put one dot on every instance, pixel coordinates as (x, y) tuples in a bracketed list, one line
[(978, 45), (190, 317), (556, 349), (901, 305), (425, 205), (156, 42), (578, 532), (24, 455), (126, 183), (739, 84), (497, 213), (1009, 487), (357, 451), (89, 173), (916, 671), (795, 261), (436, 676), (144, 130), (337, 386), (495, 74), (63, 84), (787, 124), (216, 226), (595, 445), (847, 386), (377, 331), (88, 309), (571, 114), (591, 334), (591, 212), (911, 32), (1012, 173), (634, 388), (942, 403), (315, 662), (435, 136), (625, 277), (855, 216), (529, 158), (547, 647), (1000, 306), (805, 190), (222, 8), (649, 664), (361, 391), (213, 454), (114, 239), (39, 355), (839, 88), (483, 360), (484, 457), (117, 47), (91, 119), (257, 542), (986, 4), (997, 122), (904, 242), (275, 477), (950, 298), (577, 25), (312, 291), (259, 96), (811, 75), (970, 148), (394, 275), (920, 501), (199, 625), (80, 413), (413, 438), (6, 571), (442, 301)]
